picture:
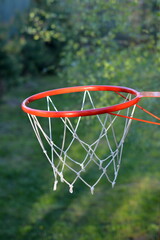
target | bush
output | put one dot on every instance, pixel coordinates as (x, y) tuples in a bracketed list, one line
[(44, 39), (94, 42), (10, 66), (110, 44), (39, 57)]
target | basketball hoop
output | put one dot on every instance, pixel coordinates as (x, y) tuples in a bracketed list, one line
[(81, 147)]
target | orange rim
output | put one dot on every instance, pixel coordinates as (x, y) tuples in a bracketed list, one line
[(78, 113)]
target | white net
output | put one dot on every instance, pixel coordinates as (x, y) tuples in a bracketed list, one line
[(85, 149)]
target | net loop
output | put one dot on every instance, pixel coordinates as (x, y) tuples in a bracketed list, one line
[(71, 188), (92, 190), (55, 185)]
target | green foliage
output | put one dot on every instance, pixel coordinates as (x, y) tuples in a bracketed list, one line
[(44, 38), (96, 42), (110, 44), (38, 57), (24, 53), (10, 66), (45, 25)]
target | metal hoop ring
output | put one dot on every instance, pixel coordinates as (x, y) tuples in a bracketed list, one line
[(78, 113)]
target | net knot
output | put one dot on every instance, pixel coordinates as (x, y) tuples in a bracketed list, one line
[(71, 188), (55, 185), (65, 152), (116, 151), (106, 131), (113, 184), (100, 165), (113, 153), (90, 149), (61, 177), (116, 173), (75, 135), (92, 190), (82, 167), (122, 140), (104, 170), (79, 173)]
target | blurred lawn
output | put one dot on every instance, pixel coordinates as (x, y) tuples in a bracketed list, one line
[(30, 210)]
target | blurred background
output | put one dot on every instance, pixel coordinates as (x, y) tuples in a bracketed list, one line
[(47, 44)]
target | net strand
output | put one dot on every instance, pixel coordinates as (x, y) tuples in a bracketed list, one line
[(52, 152)]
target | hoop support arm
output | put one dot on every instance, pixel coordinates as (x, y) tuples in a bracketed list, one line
[(141, 95), (137, 119), (109, 109), (149, 94)]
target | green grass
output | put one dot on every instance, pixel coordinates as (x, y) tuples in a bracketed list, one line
[(30, 210)]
